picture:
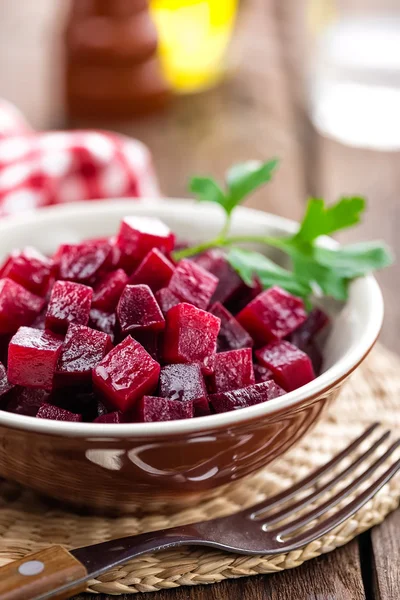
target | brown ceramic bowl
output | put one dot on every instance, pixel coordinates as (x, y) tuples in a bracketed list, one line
[(154, 465)]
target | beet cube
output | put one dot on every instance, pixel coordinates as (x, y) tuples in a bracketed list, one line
[(48, 411), (232, 336), (272, 315), (138, 310), (233, 370), (243, 296), (186, 384), (27, 401), (315, 322), (125, 374), (261, 373), (108, 291), (166, 300), (229, 281), (5, 385), (32, 357), (112, 417), (254, 394), (152, 409), (138, 235), (103, 321), (290, 366), (81, 262), (30, 268), (155, 270), (18, 306), (79, 400), (193, 284), (83, 349), (69, 303), (151, 342), (190, 334)]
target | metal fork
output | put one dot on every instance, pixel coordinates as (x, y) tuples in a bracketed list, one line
[(57, 573)]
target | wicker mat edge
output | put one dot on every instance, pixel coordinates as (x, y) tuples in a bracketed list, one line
[(373, 390)]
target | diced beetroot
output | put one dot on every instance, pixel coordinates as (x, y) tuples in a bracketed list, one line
[(193, 284), (233, 370), (315, 322), (190, 334), (138, 310), (261, 373), (4, 342), (32, 357), (229, 281), (69, 303), (232, 336), (207, 365), (79, 400), (254, 394), (186, 384), (151, 342), (48, 411), (166, 300), (152, 409), (27, 401), (81, 262), (18, 306), (138, 235), (272, 315), (103, 321), (40, 321), (5, 385), (312, 350), (125, 374), (155, 270), (109, 289), (30, 268), (112, 417), (83, 349), (291, 367)]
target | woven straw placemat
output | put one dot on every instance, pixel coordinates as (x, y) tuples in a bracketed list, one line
[(29, 523)]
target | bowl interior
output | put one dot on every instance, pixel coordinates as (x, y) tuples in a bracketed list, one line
[(355, 327)]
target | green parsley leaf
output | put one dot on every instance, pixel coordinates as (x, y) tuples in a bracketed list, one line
[(207, 190), (321, 219), (244, 178), (355, 260), (249, 264)]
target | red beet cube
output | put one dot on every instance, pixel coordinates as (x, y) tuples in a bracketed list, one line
[(315, 322), (27, 401), (32, 357), (193, 284), (151, 409), (254, 394), (190, 334), (138, 235), (166, 300), (112, 417), (291, 367), (103, 321), (151, 342), (138, 310), (272, 315), (18, 306), (232, 336), (108, 291), (261, 373), (233, 370), (69, 303), (83, 349), (5, 385), (155, 270), (82, 262), (48, 411), (186, 384), (125, 374), (229, 281), (30, 268)]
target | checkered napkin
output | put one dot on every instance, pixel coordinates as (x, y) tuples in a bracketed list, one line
[(39, 169)]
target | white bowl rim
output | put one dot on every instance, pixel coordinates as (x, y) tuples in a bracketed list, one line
[(339, 371)]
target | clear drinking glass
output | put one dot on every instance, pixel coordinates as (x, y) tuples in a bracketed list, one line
[(354, 85)]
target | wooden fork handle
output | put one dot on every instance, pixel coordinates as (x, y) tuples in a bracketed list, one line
[(40, 573)]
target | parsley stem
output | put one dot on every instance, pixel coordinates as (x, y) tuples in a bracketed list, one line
[(221, 241)]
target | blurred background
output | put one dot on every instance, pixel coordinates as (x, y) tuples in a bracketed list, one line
[(205, 83)]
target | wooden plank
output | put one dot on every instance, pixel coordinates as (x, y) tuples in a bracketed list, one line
[(386, 558)]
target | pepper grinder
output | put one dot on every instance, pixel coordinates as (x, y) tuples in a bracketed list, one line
[(112, 69)]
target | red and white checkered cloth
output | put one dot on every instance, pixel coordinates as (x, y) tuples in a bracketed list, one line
[(39, 169)]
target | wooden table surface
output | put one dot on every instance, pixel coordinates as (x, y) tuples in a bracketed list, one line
[(258, 113)]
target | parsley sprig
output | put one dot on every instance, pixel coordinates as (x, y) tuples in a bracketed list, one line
[(315, 269)]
